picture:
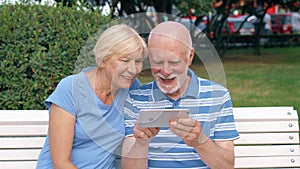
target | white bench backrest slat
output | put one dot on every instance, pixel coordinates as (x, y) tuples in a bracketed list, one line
[(17, 164), (19, 154), (267, 126), (23, 130), (250, 151), (266, 108), (268, 138), (21, 142), (24, 117), (270, 115), (267, 162)]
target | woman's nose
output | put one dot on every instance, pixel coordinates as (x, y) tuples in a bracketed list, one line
[(133, 67)]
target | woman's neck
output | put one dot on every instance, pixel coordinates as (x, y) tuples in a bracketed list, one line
[(102, 86)]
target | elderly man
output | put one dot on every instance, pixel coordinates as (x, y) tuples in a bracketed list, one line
[(205, 139)]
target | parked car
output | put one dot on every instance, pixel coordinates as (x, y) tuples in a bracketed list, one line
[(188, 22), (282, 23), (233, 23)]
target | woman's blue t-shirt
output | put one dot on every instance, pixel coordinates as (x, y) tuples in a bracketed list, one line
[(99, 129)]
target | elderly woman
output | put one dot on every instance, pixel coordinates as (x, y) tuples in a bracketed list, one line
[(86, 123)]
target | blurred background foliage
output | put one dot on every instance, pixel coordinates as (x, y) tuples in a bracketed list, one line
[(38, 46)]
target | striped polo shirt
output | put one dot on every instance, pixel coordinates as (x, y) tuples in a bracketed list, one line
[(207, 101)]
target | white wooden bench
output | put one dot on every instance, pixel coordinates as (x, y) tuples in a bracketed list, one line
[(22, 135), (269, 137)]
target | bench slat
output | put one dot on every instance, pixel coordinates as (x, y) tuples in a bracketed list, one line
[(265, 115), (17, 164), (240, 151), (22, 142), (19, 154), (267, 162), (272, 108), (24, 117), (267, 126), (23, 130), (273, 150), (268, 138)]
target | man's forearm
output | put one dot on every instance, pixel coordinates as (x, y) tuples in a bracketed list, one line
[(134, 154), (215, 156)]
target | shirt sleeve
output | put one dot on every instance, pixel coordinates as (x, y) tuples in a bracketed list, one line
[(225, 128), (62, 96)]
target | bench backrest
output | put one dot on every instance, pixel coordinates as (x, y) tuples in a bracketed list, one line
[(269, 137), (22, 135)]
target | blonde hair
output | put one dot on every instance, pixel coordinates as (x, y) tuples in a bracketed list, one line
[(120, 40)]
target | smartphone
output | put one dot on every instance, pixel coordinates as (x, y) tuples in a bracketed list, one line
[(160, 117)]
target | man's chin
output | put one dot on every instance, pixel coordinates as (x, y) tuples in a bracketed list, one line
[(168, 89)]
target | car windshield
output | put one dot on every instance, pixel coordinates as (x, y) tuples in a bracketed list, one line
[(247, 25), (282, 19)]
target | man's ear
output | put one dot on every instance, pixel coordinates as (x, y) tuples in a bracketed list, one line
[(191, 56)]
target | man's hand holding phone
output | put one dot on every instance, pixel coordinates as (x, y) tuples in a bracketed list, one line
[(189, 130), (160, 117), (150, 121)]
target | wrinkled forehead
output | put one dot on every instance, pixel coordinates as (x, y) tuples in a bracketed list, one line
[(168, 45), (157, 39), (168, 50), (171, 30)]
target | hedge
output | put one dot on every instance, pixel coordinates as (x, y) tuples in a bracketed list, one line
[(39, 45)]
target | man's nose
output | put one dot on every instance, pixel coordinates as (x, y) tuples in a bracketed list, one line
[(166, 69)]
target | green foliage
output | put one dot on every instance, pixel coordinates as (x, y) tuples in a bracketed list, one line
[(39, 45), (200, 7)]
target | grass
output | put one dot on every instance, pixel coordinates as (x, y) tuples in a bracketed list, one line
[(271, 79)]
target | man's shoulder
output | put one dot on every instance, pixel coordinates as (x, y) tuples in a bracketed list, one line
[(205, 83)]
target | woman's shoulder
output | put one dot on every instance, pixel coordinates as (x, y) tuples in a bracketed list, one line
[(66, 82)]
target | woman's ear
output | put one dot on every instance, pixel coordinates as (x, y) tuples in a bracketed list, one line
[(101, 64)]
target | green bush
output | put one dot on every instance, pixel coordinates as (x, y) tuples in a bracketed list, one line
[(39, 45)]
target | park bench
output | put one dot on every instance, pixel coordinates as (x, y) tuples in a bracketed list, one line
[(274, 40), (269, 137)]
